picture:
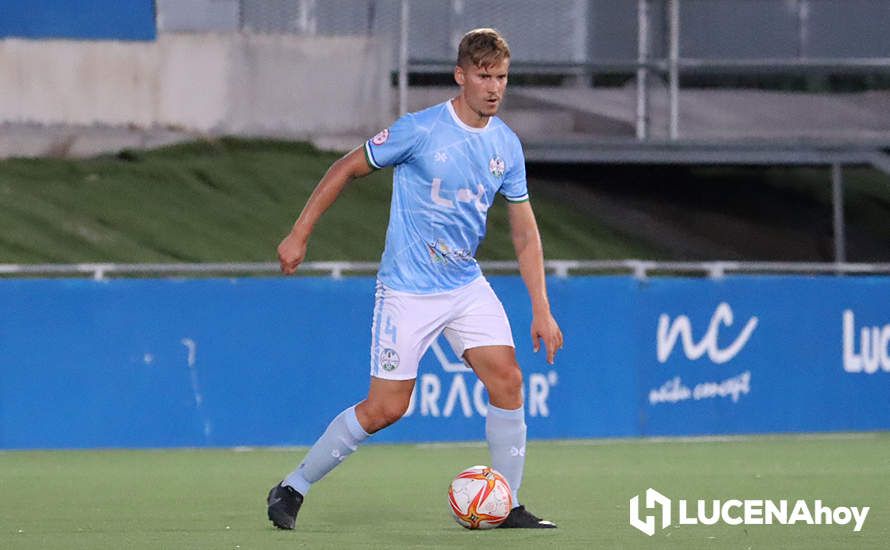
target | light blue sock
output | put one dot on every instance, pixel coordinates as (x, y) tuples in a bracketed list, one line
[(341, 439), (505, 432)]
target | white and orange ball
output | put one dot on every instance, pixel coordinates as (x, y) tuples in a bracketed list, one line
[(480, 498)]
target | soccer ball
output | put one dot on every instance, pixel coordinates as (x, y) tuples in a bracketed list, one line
[(480, 498)]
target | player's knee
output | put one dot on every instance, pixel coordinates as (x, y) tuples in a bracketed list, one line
[(385, 414), (508, 383), (513, 381), (393, 412)]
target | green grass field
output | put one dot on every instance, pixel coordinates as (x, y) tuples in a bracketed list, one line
[(393, 496), (230, 200)]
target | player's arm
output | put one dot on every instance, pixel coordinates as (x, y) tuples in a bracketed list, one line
[(530, 253), (292, 249)]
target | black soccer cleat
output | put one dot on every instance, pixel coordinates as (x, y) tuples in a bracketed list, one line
[(520, 518), (284, 503)]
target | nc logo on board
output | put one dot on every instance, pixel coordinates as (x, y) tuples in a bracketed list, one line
[(681, 328)]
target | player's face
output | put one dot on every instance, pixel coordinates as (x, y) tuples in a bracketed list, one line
[(483, 87)]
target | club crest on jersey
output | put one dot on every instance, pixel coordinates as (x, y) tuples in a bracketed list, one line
[(496, 166), (380, 138)]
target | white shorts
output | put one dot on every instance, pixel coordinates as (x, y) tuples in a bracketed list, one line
[(405, 325)]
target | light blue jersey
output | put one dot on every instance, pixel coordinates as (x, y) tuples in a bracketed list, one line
[(445, 179)]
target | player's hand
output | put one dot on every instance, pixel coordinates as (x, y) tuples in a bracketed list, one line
[(291, 253), (544, 327)]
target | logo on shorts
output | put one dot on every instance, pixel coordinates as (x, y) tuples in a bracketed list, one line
[(380, 138), (389, 359), (496, 166)]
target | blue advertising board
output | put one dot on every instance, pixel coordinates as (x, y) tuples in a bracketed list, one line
[(84, 20), (269, 361)]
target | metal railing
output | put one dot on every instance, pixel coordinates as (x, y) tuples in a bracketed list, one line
[(640, 269), (669, 65), (673, 63)]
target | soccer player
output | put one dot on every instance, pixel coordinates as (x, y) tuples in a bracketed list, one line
[(450, 160)]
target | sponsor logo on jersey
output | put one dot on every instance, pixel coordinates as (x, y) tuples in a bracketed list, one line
[(496, 166), (380, 138), (441, 253)]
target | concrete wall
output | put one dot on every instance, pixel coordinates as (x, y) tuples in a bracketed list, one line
[(221, 83)]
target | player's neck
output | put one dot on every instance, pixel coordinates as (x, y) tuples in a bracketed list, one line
[(467, 115)]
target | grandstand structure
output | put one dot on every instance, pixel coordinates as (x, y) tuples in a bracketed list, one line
[(649, 47)]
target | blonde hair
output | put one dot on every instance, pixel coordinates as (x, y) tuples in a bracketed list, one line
[(482, 48)]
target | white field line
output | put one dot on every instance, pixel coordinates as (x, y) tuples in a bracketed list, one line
[(829, 436), (832, 436)]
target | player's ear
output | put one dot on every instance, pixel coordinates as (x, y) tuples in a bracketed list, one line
[(459, 75)]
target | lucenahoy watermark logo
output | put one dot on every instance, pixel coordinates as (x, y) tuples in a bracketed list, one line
[(742, 512)]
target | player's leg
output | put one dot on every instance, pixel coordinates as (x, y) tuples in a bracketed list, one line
[(505, 428), (481, 335), (341, 438), (401, 330), (387, 401)]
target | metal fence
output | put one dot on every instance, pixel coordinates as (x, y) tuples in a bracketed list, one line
[(656, 40), (596, 31), (602, 33)]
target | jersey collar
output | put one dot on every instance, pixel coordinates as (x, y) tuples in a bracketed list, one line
[(464, 125)]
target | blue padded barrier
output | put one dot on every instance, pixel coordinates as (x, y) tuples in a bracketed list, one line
[(269, 361)]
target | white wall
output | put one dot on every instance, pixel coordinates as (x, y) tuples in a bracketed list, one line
[(192, 76), (334, 85), (222, 83), (78, 82)]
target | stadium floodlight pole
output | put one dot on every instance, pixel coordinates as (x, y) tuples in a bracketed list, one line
[(673, 67), (643, 47), (403, 59), (837, 192)]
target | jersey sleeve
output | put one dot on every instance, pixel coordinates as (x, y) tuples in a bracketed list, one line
[(514, 188), (393, 145)]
